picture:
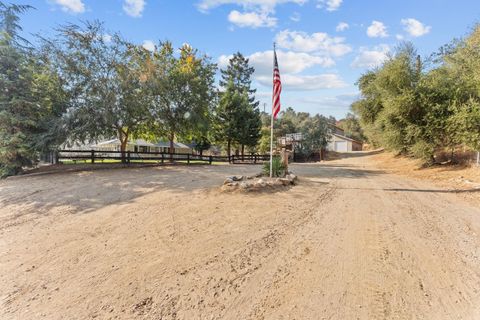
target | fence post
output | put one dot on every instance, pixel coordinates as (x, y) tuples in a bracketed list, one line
[(254, 158), (128, 157), (233, 158), (210, 159), (162, 156), (188, 158), (57, 156), (92, 157)]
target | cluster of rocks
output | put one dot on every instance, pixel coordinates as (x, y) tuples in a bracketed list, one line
[(258, 182)]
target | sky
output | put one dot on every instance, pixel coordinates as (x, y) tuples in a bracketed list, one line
[(323, 46)]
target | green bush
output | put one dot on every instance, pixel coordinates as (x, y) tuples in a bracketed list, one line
[(278, 169)]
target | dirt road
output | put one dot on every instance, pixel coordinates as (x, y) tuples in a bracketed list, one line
[(349, 242)]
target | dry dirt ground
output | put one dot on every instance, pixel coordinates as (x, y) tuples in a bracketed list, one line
[(349, 242)]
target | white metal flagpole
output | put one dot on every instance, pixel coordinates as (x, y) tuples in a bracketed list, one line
[(271, 144)]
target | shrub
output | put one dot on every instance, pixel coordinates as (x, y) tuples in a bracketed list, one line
[(278, 169)]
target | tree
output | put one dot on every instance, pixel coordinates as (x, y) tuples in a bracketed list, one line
[(315, 132), (228, 115), (248, 123), (239, 72), (249, 127), (201, 144), (20, 112), (105, 80), (390, 109), (351, 126), (182, 93)]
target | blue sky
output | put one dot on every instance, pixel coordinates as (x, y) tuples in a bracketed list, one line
[(323, 45)]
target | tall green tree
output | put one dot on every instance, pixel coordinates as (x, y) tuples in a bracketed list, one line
[(390, 108), (182, 94), (30, 101), (105, 81), (238, 75), (228, 116)]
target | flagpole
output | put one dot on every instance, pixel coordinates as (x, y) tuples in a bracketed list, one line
[(271, 144), (271, 124)]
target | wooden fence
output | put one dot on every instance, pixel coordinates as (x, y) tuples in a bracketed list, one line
[(98, 156)]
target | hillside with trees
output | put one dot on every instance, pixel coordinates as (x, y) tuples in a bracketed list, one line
[(424, 106)]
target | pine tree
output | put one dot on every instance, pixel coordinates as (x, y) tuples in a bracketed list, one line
[(18, 109), (229, 116), (238, 77), (239, 72)]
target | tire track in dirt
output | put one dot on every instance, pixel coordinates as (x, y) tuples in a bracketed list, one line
[(222, 285)]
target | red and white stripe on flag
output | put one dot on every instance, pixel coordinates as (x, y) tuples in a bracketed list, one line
[(277, 87)]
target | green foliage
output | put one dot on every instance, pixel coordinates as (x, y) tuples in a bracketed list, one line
[(410, 110), (278, 168), (181, 93), (264, 142), (238, 119), (103, 79), (228, 120), (315, 131), (30, 103), (201, 144), (351, 126)]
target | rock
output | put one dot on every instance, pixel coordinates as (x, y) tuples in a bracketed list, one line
[(244, 185), (291, 177), (237, 178), (285, 181), (228, 181), (261, 183)]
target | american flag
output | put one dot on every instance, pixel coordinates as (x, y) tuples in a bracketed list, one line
[(277, 86)]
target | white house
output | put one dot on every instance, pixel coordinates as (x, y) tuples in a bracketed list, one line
[(341, 143), (140, 145)]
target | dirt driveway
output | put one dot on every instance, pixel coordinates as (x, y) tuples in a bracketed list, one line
[(349, 242)]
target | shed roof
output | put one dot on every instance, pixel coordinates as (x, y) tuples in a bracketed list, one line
[(345, 138)]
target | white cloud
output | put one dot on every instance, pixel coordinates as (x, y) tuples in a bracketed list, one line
[(343, 101), (134, 8), (320, 43), (289, 62), (306, 83), (371, 58), (251, 19), (342, 26), (73, 6), (415, 28), (295, 17), (377, 30), (399, 37), (148, 45), (257, 5), (330, 5)]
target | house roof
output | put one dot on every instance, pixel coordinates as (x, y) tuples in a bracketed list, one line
[(141, 142), (166, 144), (137, 142), (346, 138)]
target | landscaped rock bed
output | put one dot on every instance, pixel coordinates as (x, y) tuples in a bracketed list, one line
[(258, 183)]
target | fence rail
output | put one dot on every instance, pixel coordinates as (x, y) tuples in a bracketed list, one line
[(95, 156)]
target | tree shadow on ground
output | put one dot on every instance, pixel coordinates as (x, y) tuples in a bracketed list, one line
[(474, 190), (87, 191)]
